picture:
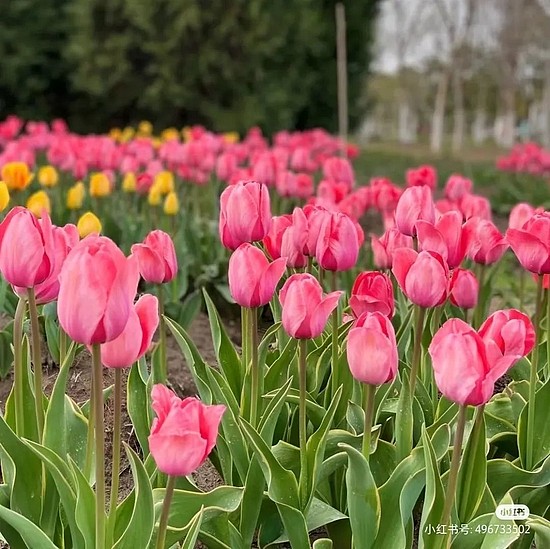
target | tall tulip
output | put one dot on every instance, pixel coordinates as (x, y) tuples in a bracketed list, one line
[(415, 204), (245, 214), (372, 291)]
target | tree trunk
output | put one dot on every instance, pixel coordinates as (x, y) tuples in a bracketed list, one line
[(546, 107), (459, 114), (438, 119), (479, 127), (509, 117)]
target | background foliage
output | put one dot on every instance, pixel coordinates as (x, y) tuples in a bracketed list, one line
[(228, 65)]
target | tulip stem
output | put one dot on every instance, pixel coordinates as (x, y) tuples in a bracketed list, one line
[(63, 346), (455, 464), (335, 323), (521, 289), (255, 374), (245, 341), (37, 361), (163, 522), (420, 313), (97, 396), (534, 377), (162, 375), (478, 311), (368, 406), (18, 366), (302, 358), (117, 425), (547, 372)]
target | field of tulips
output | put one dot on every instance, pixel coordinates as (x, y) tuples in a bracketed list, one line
[(386, 390)]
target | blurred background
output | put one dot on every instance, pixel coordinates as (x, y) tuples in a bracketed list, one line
[(442, 75)]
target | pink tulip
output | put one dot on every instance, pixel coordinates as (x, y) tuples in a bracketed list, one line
[(274, 238), (531, 244), (304, 187), (472, 205), (305, 310), (316, 216), (520, 214), (338, 244), (383, 247), (372, 292), (423, 277), (339, 169), (508, 333), (136, 337), (27, 248), (486, 244), (415, 204), (245, 214), (184, 432), (252, 279), (423, 175), (464, 289), (372, 349), (459, 360), (97, 285), (457, 186), (65, 239), (157, 257), (294, 240), (446, 237), (466, 363)]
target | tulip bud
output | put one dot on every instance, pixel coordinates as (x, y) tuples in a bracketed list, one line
[(4, 196), (305, 310), (486, 244), (423, 277), (164, 180), (415, 204), (75, 196), (183, 433), (338, 244), (423, 175), (457, 186), (129, 183), (464, 289), (48, 176), (154, 197), (16, 176), (245, 214), (383, 248), (372, 292), (87, 224), (171, 204), (531, 244), (157, 257), (39, 202), (372, 349), (252, 279), (100, 185)]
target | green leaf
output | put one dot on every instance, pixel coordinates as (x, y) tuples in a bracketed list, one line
[(64, 482), (278, 372), (189, 308), (140, 526), (434, 495), (193, 532), (540, 444), (472, 474), (400, 493), (502, 476), (22, 471), (139, 404), (228, 359), (541, 526), (363, 499), (85, 507), (31, 534), (404, 420), (323, 543)]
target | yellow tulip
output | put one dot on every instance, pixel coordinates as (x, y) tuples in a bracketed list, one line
[(170, 134), (48, 176), (129, 183), (88, 224), (99, 185), (75, 196), (4, 196), (186, 134), (145, 128), (16, 176), (231, 137), (127, 134), (164, 181), (38, 202), (171, 204), (115, 134), (155, 196)]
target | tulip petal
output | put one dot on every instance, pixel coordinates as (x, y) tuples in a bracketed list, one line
[(178, 455), (403, 259), (148, 313), (320, 314), (270, 279), (530, 251), (210, 418)]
